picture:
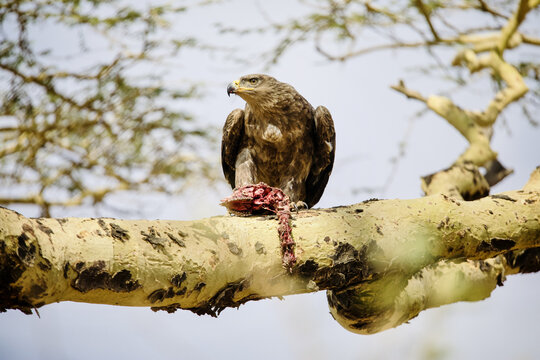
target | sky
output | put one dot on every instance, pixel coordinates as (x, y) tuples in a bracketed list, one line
[(371, 121)]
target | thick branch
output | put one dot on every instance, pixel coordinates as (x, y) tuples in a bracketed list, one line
[(516, 87), (210, 264), (475, 126), (524, 7), (403, 298), (479, 151), (398, 296), (459, 182)]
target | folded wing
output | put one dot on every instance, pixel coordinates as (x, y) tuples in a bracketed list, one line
[(233, 133), (324, 137)]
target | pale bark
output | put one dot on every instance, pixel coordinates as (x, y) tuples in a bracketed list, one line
[(481, 52), (384, 257)]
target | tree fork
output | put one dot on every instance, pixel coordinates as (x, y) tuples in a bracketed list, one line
[(392, 250)]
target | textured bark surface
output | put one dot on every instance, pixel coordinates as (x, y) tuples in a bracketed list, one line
[(398, 257)]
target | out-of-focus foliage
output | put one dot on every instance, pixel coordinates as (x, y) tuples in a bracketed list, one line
[(344, 29), (79, 122)]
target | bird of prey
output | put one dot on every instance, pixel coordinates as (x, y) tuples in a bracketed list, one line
[(278, 139)]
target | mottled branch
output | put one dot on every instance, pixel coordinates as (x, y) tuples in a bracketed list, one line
[(476, 126), (516, 87), (208, 265), (463, 182), (445, 282), (524, 7), (479, 152)]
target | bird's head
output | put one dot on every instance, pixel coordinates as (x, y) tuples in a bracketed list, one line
[(254, 87)]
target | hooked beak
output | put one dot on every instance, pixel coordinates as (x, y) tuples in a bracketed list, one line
[(232, 88), (235, 88)]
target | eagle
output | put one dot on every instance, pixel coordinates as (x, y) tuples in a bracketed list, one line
[(278, 139)]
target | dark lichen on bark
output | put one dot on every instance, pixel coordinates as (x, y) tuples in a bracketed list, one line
[(171, 308), (118, 232), (45, 229), (370, 303), (11, 269), (527, 261), (161, 294), (503, 197), (495, 244), (350, 266), (95, 276), (307, 268), (199, 286), (14, 261), (224, 298), (259, 248), (178, 279), (26, 250), (36, 290), (176, 240), (28, 228), (154, 238), (65, 271), (103, 226), (234, 249), (121, 282)]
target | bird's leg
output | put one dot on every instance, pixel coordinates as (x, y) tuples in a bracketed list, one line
[(295, 190), (246, 171), (299, 205)]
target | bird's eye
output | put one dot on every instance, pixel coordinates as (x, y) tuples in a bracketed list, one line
[(253, 81)]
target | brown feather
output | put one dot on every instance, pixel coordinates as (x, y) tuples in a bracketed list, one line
[(325, 149), (278, 139), (233, 131)]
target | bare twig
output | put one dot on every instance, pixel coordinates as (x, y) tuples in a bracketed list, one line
[(426, 14)]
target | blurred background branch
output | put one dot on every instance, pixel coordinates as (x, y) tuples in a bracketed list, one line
[(74, 128)]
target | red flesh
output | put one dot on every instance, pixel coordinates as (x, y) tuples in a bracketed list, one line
[(259, 199)]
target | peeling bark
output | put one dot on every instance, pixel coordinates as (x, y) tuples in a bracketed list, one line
[(394, 257)]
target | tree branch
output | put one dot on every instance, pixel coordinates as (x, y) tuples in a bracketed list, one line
[(442, 283), (426, 14), (479, 151), (462, 182), (368, 250), (524, 7), (476, 126), (486, 8)]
